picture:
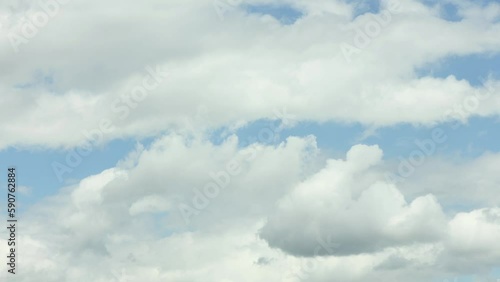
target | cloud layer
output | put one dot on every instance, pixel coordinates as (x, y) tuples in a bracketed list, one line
[(187, 208), (311, 220), (73, 74)]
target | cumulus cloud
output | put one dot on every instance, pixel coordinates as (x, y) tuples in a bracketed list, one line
[(471, 243), (338, 222), (127, 217), (327, 209)]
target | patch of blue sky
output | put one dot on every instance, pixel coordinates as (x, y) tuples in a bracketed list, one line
[(450, 12), (475, 68), (218, 136), (475, 137), (148, 141), (495, 272), (362, 7), (467, 140), (336, 136), (287, 15), (35, 167)]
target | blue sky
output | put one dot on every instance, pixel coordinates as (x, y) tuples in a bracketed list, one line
[(270, 202), (35, 166), (474, 68)]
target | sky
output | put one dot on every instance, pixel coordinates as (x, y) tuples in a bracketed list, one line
[(252, 140)]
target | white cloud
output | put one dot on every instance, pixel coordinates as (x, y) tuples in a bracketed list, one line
[(327, 209), (149, 204), (472, 240), (258, 212), (239, 69), (123, 222)]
